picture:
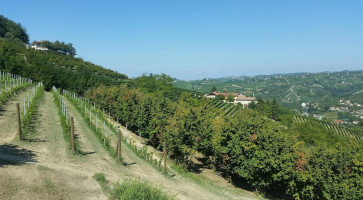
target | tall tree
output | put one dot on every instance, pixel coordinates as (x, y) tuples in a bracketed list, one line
[(275, 110), (214, 89)]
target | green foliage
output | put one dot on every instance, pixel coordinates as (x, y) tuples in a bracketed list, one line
[(329, 174), (256, 150), (220, 97), (315, 134), (60, 47), (66, 127), (275, 110), (138, 190), (9, 29), (153, 83), (316, 130), (27, 117), (347, 116), (230, 98), (79, 104), (274, 157), (101, 179), (6, 95)]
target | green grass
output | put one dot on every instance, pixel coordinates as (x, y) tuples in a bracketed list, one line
[(138, 190), (101, 179), (65, 126), (131, 189), (5, 96), (26, 119)]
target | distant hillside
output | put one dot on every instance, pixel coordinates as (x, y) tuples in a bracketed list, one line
[(290, 89), (54, 69)]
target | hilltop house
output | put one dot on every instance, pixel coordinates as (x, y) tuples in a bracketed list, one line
[(38, 45), (214, 94), (211, 95), (245, 101), (242, 99)]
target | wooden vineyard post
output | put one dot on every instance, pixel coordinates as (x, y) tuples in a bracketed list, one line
[(19, 120), (116, 152), (104, 133), (73, 147), (118, 148), (164, 154), (127, 134)]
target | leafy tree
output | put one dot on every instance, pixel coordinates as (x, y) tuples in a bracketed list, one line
[(9, 29), (9, 35), (153, 83), (252, 105), (230, 98), (60, 47), (275, 110), (220, 97), (214, 89)]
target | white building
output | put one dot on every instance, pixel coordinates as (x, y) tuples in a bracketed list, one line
[(245, 101), (39, 46), (212, 95)]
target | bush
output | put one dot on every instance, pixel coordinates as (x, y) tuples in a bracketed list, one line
[(135, 189)]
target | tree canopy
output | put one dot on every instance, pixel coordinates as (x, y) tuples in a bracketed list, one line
[(60, 47), (275, 157), (10, 29)]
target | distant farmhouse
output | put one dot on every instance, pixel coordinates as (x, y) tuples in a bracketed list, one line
[(38, 45), (245, 101), (238, 98)]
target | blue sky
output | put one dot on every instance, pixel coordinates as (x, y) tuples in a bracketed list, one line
[(194, 39)]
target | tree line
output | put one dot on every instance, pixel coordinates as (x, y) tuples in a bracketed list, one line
[(60, 47), (258, 146)]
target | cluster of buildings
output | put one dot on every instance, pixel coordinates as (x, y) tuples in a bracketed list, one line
[(344, 106), (339, 121), (237, 98), (348, 106)]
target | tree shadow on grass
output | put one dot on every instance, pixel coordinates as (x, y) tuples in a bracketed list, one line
[(12, 155), (197, 165), (2, 109), (85, 153)]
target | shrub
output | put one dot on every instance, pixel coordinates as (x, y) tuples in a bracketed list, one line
[(135, 189)]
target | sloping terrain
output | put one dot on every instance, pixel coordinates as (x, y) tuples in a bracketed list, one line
[(41, 167)]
